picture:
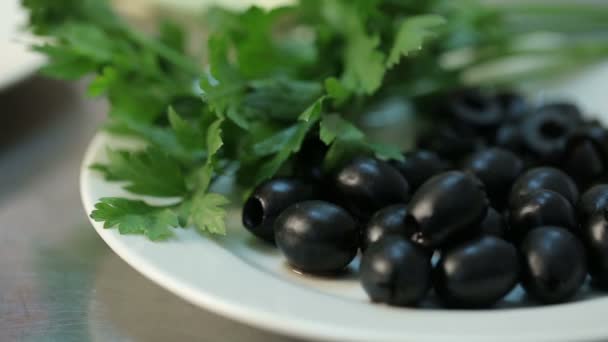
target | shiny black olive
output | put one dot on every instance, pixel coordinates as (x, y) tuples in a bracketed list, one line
[(269, 200), (475, 109), (513, 105), (588, 146), (317, 237), (545, 133), (594, 199), (419, 166), (387, 221), (497, 169), (547, 178), (477, 273), (553, 264), (540, 208), (583, 161), (366, 185), (446, 206), (493, 224), (396, 271), (595, 237)]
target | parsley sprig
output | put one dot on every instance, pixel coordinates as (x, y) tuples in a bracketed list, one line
[(268, 80)]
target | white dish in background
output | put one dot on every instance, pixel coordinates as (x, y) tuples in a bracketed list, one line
[(247, 281), (17, 62), (235, 4)]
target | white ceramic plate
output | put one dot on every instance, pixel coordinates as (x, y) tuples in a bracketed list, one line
[(17, 61), (247, 281)]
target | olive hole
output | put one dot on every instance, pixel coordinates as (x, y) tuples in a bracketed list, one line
[(253, 213), (552, 130)]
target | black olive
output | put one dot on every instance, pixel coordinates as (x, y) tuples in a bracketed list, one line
[(595, 237), (597, 134), (477, 273), (475, 109), (497, 169), (493, 224), (547, 178), (309, 160), (317, 237), (545, 133), (594, 199), (419, 166), (509, 137), (366, 185), (269, 200), (388, 221), (396, 271), (567, 110), (451, 142), (513, 105), (540, 208), (593, 122), (583, 161), (553, 264), (587, 146), (446, 206)]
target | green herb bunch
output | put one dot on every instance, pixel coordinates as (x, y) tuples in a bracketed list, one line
[(270, 79)]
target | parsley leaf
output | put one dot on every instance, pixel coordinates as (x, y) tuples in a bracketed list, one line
[(222, 86), (188, 135), (385, 151), (334, 125), (411, 34), (350, 140), (280, 98), (291, 140), (208, 214), (135, 217), (206, 210), (214, 143), (275, 143), (364, 62), (336, 91), (147, 172)]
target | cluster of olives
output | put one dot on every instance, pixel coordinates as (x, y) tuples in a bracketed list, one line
[(485, 202)]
